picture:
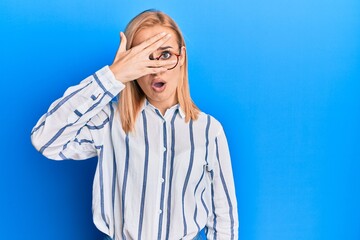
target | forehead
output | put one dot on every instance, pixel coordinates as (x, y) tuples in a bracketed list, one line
[(149, 32)]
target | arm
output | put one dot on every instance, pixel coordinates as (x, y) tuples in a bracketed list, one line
[(223, 222), (64, 131)]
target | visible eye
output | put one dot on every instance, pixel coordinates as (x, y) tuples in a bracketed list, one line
[(165, 55)]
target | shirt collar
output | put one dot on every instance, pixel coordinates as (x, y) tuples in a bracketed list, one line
[(147, 104)]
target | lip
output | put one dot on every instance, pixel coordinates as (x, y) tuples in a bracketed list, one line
[(156, 85)]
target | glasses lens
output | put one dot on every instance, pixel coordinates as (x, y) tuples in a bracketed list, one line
[(174, 57), (167, 56)]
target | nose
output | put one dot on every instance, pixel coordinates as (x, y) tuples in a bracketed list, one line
[(156, 74)]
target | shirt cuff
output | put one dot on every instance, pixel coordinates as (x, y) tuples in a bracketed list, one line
[(108, 78)]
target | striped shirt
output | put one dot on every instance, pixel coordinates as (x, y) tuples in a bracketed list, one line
[(167, 179)]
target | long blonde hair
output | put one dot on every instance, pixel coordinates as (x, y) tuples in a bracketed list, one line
[(132, 97)]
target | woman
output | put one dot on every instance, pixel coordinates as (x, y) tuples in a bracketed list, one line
[(164, 169)]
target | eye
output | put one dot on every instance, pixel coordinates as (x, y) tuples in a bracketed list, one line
[(165, 55)]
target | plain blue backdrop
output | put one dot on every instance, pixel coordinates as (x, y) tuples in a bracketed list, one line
[(282, 76)]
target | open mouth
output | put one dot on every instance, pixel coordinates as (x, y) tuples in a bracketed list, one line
[(158, 86)]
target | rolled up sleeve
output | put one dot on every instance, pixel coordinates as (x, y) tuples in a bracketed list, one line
[(66, 123)]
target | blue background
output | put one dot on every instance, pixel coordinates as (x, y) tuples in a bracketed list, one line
[(282, 76)]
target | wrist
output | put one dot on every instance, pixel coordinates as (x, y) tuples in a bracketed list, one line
[(113, 70)]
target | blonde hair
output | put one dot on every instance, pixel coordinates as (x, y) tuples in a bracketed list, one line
[(132, 97)]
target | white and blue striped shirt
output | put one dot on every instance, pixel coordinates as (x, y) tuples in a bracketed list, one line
[(168, 179)]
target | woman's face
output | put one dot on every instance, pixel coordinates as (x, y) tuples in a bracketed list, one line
[(160, 89)]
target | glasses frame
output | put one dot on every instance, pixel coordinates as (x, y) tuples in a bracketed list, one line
[(177, 59)]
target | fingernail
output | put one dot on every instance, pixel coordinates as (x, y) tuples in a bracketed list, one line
[(163, 33)]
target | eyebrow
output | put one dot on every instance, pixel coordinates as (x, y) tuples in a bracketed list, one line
[(163, 48)]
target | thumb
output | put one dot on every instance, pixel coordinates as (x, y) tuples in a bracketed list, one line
[(123, 42), (122, 47)]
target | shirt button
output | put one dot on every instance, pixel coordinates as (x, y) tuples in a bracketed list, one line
[(164, 149), (160, 211), (162, 180)]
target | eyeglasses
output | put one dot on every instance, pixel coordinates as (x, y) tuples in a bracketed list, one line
[(166, 56)]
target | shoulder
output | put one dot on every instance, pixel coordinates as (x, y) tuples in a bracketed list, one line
[(214, 125)]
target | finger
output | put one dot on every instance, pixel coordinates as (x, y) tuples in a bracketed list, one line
[(160, 63), (122, 47), (155, 70), (153, 47), (149, 41), (123, 42)]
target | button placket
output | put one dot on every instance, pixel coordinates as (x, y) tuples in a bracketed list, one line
[(163, 172)]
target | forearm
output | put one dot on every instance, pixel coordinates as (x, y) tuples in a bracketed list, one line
[(67, 115)]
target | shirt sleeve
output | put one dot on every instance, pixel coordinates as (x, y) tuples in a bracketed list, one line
[(64, 131), (223, 223)]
